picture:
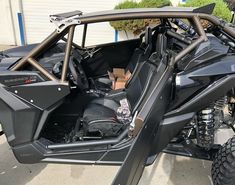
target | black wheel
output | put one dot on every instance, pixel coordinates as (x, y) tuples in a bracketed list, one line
[(223, 166)]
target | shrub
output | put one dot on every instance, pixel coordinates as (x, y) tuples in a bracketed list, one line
[(126, 4), (127, 24), (221, 8), (153, 3), (137, 25)]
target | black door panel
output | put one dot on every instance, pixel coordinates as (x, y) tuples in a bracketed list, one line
[(151, 115)]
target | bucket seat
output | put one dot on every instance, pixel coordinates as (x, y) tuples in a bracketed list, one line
[(140, 54), (101, 114)]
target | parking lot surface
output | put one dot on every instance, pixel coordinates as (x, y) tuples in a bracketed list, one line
[(167, 170)]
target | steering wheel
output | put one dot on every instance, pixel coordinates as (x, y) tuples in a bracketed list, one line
[(78, 76)]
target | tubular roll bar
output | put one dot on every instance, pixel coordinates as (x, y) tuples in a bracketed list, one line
[(86, 19), (67, 53), (202, 37), (50, 39), (29, 58)]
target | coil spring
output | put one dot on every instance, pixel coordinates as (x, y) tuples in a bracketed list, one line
[(219, 104), (205, 132)]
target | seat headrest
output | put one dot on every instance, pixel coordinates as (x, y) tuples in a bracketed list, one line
[(161, 44), (148, 35)]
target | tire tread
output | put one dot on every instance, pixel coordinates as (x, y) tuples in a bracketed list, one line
[(223, 166)]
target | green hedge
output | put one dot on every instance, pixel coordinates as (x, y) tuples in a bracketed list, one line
[(136, 25), (153, 3), (221, 8)]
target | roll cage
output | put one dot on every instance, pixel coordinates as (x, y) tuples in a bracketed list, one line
[(66, 23)]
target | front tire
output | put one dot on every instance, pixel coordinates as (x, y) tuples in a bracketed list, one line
[(223, 166)]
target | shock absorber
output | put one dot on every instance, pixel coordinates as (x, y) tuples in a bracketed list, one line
[(205, 129)]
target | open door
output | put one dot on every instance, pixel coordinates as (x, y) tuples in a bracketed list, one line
[(150, 116)]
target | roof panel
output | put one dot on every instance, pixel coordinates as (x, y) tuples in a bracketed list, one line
[(208, 9)]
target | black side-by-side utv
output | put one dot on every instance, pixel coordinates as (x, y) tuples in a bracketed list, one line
[(58, 103)]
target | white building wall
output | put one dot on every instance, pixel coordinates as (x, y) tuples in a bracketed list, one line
[(7, 35), (15, 6), (36, 19), (37, 25), (176, 2)]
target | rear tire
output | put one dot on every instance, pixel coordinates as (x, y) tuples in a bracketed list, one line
[(223, 166)]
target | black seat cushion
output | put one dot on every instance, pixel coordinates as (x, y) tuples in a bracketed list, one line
[(103, 82), (96, 112), (100, 109), (100, 116)]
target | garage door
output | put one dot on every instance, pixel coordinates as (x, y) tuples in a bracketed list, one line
[(37, 25)]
